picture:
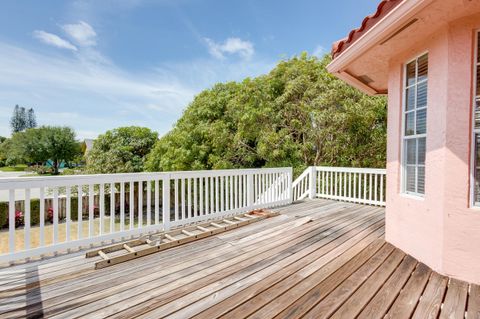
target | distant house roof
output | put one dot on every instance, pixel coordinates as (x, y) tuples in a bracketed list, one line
[(382, 10)]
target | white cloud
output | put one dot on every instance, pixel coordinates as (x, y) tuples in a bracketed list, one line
[(54, 40), (230, 46), (91, 94), (82, 33), (319, 51)]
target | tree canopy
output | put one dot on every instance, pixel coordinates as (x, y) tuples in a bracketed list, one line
[(121, 150), (297, 115), (22, 119), (39, 145)]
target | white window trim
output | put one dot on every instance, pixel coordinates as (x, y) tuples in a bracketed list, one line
[(475, 97), (403, 184)]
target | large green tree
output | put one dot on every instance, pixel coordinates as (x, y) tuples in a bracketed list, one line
[(297, 115), (122, 150), (39, 145), (4, 146)]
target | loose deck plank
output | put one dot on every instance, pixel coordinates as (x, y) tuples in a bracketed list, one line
[(283, 304), (455, 300), (406, 302), (381, 302), (474, 302), (354, 305), (326, 307), (431, 302)]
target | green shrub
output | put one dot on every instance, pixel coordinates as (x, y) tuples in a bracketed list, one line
[(35, 211), (3, 214)]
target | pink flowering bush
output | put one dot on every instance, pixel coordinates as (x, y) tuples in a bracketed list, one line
[(50, 214), (19, 219)]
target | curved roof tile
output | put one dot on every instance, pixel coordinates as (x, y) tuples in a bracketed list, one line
[(382, 10)]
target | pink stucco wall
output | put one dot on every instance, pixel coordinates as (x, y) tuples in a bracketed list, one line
[(441, 229)]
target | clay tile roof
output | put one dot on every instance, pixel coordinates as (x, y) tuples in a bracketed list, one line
[(382, 10)]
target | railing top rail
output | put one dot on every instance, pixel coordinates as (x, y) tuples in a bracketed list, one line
[(352, 169), (72, 180), (301, 177)]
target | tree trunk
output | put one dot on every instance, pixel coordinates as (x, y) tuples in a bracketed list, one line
[(55, 167)]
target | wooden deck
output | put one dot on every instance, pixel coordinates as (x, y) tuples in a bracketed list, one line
[(318, 259)]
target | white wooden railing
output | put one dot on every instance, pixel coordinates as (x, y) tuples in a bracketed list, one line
[(95, 209), (358, 185), (301, 186)]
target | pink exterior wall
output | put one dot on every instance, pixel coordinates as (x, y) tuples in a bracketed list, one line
[(441, 229)]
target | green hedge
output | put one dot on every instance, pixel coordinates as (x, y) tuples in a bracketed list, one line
[(35, 211), (3, 214)]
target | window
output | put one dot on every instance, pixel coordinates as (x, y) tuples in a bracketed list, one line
[(415, 125), (476, 129)]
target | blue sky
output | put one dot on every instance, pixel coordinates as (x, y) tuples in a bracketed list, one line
[(96, 65)]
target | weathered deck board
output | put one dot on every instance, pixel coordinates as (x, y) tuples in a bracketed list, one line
[(318, 259), (406, 302), (429, 305), (455, 300)]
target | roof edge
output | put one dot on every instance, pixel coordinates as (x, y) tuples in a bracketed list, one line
[(382, 29), (368, 22)]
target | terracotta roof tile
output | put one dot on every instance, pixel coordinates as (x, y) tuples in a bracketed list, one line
[(382, 10)]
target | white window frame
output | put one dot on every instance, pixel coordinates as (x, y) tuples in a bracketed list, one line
[(475, 97), (404, 137)]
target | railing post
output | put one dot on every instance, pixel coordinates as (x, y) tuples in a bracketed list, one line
[(166, 203), (313, 182), (250, 195), (290, 185)]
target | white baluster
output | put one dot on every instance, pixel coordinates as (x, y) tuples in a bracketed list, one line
[(27, 219), (122, 206), (157, 202), (140, 204), (131, 206), (112, 208), (11, 220), (68, 213), (149, 202), (90, 211), (55, 215), (79, 211)]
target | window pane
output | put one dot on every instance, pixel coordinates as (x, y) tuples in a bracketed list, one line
[(411, 73), (478, 79), (415, 118), (410, 178), (478, 44), (411, 149), (477, 169), (410, 99), (410, 123), (423, 68), (422, 121), (422, 95), (477, 114), (421, 180), (422, 150)]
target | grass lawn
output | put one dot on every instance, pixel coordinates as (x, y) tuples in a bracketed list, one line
[(62, 227), (17, 168)]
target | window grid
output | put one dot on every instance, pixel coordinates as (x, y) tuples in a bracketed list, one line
[(476, 127), (414, 172)]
